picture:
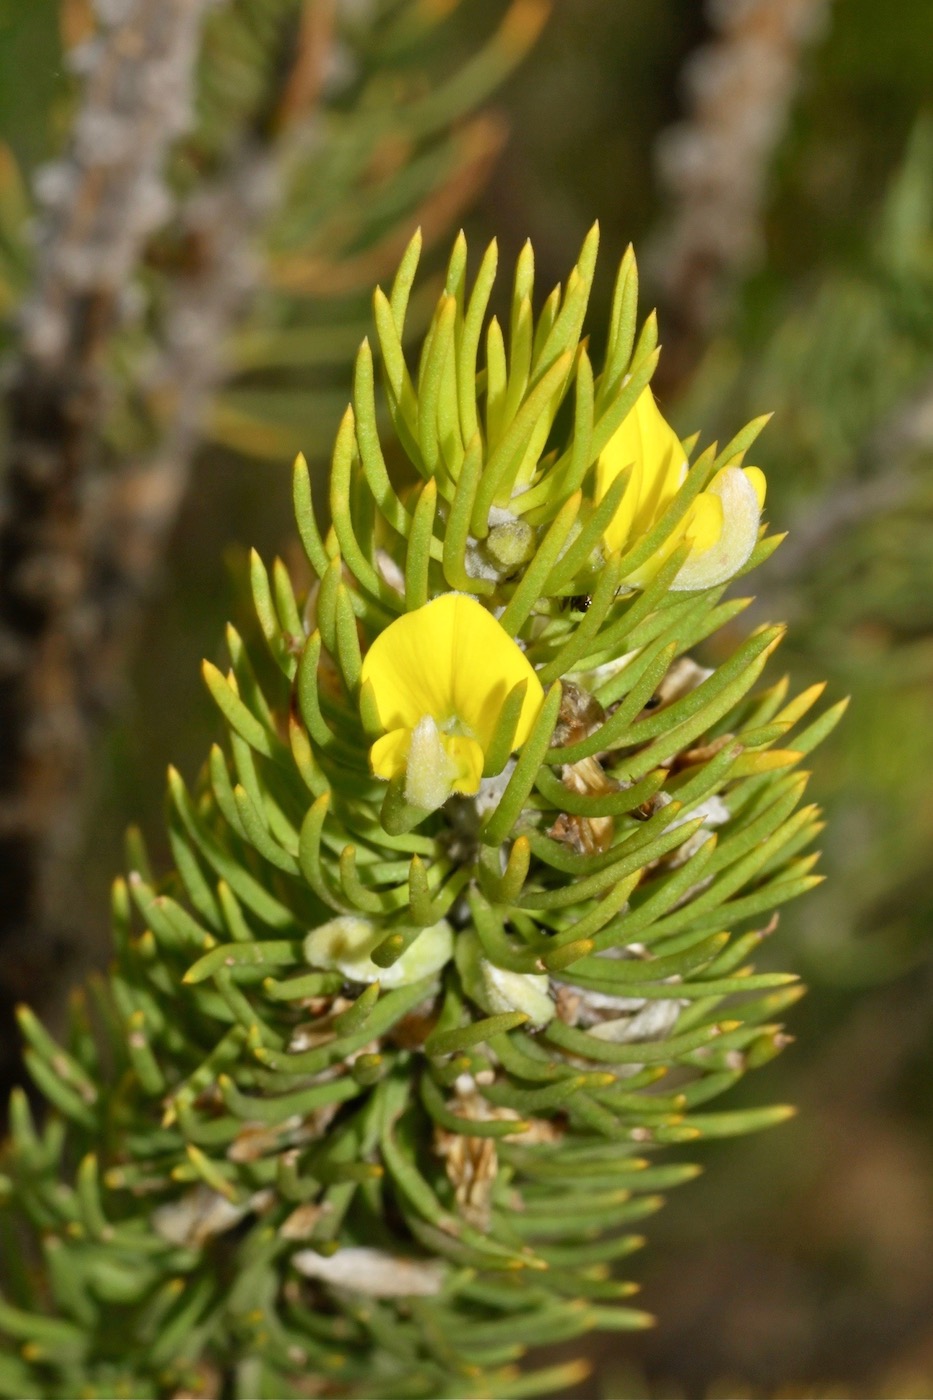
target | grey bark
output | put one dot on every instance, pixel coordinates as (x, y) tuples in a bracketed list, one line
[(102, 202), (715, 164)]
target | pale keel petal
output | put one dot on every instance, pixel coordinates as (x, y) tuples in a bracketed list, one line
[(517, 991), (430, 771), (344, 945), (741, 518)]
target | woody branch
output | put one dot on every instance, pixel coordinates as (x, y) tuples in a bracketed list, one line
[(102, 201)]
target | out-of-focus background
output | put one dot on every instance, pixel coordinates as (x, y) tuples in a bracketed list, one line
[(772, 161)]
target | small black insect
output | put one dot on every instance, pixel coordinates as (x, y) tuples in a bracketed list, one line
[(580, 602)]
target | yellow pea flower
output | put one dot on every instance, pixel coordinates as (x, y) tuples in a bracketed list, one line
[(721, 525), (438, 678)]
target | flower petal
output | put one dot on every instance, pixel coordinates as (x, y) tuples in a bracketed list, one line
[(388, 755), (409, 666), (759, 482), (453, 661), (468, 760), (620, 528), (741, 514), (647, 441), (485, 665), (664, 460), (705, 521)]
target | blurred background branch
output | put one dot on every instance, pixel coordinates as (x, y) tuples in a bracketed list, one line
[(102, 201), (234, 178), (715, 164)]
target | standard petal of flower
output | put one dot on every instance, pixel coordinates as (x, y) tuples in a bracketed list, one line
[(621, 526), (664, 459), (647, 443), (485, 665), (409, 665), (452, 660), (438, 679)]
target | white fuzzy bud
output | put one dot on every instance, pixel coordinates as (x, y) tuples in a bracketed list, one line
[(344, 945), (517, 991)]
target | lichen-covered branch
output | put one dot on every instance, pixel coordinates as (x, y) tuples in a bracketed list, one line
[(102, 202), (223, 225), (83, 537), (136, 512), (715, 164)]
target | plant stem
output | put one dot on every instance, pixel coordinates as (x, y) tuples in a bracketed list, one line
[(103, 200)]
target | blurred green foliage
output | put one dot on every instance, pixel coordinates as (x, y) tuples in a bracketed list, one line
[(30, 77)]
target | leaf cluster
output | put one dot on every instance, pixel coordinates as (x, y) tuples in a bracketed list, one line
[(236, 1117)]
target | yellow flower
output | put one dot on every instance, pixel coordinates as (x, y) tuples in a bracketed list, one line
[(438, 678), (721, 525)]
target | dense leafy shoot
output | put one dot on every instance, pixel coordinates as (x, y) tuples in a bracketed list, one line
[(454, 942)]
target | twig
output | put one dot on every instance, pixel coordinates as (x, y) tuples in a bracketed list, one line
[(103, 533), (103, 200), (134, 514), (136, 511), (220, 224), (716, 164)]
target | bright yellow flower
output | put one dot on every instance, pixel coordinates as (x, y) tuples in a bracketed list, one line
[(721, 525), (438, 678)]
